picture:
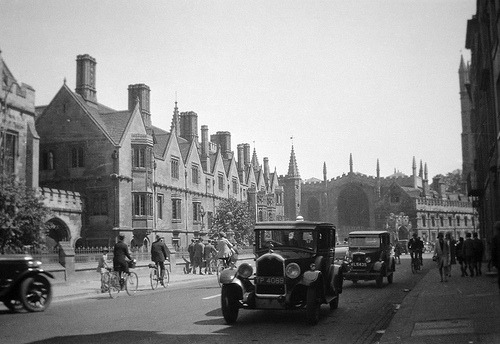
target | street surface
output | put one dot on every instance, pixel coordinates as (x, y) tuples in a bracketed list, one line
[(191, 313)]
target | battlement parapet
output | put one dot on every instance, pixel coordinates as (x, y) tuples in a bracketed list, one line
[(61, 199)]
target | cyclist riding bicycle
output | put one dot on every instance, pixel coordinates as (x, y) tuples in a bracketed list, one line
[(160, 253), (416, 246), (120, 251), (224, 249)]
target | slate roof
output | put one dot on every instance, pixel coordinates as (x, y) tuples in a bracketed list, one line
[(115, 123)]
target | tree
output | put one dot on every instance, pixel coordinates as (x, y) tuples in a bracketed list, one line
[(452, 181), (235, 216), (22, 217)]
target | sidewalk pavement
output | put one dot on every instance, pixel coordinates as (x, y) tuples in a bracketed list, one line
[(86, 284), (462, 310)]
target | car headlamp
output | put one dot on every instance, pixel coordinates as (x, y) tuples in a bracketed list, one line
[(368, 259), (292, 270), (245, 270)]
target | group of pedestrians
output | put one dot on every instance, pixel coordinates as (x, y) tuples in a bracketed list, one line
[(202, 255), (468, 253)]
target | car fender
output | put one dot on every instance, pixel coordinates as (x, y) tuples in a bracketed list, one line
[(310, 277), (378, 266), (227, 276)]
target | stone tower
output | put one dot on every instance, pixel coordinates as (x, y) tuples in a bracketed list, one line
[(292, 189), (467, 136)]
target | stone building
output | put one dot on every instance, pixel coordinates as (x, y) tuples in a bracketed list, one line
[(137, 179), (19, 155), (355, 201), (480, 100)]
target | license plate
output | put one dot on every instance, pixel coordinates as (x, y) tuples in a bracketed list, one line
[(270, 280), (359, 264)]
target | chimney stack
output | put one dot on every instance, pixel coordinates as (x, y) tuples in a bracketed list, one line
[(86, 78), (141, 92), (205, 153)]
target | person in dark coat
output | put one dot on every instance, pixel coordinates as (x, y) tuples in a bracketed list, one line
[(452, 243), (191, 252), (460, 256), (160, 253), (478, 253), (468, 253), (120, 252), (209, 254), (198, 256), (495, 250)]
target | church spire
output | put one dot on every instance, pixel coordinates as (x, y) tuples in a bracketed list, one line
[(324, 171), (378, 169), (175, 126), (421, 170), (350, 163), (293, 170), (255, 160)]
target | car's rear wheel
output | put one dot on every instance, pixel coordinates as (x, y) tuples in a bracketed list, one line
[(229, 303), (35, 293), (312, 306)]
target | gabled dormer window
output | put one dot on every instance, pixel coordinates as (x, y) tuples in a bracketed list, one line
[(174, 168), (139, 157)]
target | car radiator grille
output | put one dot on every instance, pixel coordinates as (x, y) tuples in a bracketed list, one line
[(270, 266)]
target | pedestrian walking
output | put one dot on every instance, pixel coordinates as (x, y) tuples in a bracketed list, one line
[(397, 252), (451, 243), (102, 267), (442, 256), (160, 253), (209, 254), (495, 250), (191, 254), (198, 256), (460, 256), (478, 253), (468, 253)]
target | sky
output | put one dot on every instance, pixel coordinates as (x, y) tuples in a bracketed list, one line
[(375, 79)]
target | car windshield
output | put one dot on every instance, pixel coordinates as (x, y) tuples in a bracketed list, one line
[(286, 238), (364, 241)]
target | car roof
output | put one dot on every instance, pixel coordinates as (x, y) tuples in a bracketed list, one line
[(291, 225), (367, 233)]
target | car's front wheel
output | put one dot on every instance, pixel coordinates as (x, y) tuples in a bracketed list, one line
[(35, 293), (334, 304), (312, 306), (229, 303)]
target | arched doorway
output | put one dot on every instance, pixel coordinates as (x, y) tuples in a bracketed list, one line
[(313, 209), (353, 208), (58, 231)]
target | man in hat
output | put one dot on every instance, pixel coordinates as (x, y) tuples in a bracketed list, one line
[(416, 246), (120, 251), (159, 253)]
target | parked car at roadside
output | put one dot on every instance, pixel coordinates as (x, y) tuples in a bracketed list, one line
[(295, 269), (371, 257), (24, 284)]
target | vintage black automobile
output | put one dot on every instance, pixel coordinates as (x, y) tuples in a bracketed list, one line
[(371, 257), (295, 269), (24, 284)]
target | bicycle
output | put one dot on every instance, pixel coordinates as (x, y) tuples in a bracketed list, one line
[(129, 282), (154, 276), (415, 263)]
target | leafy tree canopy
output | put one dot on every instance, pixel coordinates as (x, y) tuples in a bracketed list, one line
[(235, 216), (452, 181), (22, 217)]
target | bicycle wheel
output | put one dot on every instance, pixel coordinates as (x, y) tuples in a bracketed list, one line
[(153, 278), (220, 267), (166, 278), (114, 285), (131, 283)]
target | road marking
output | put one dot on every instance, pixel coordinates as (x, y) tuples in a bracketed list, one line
[(211, 297)]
